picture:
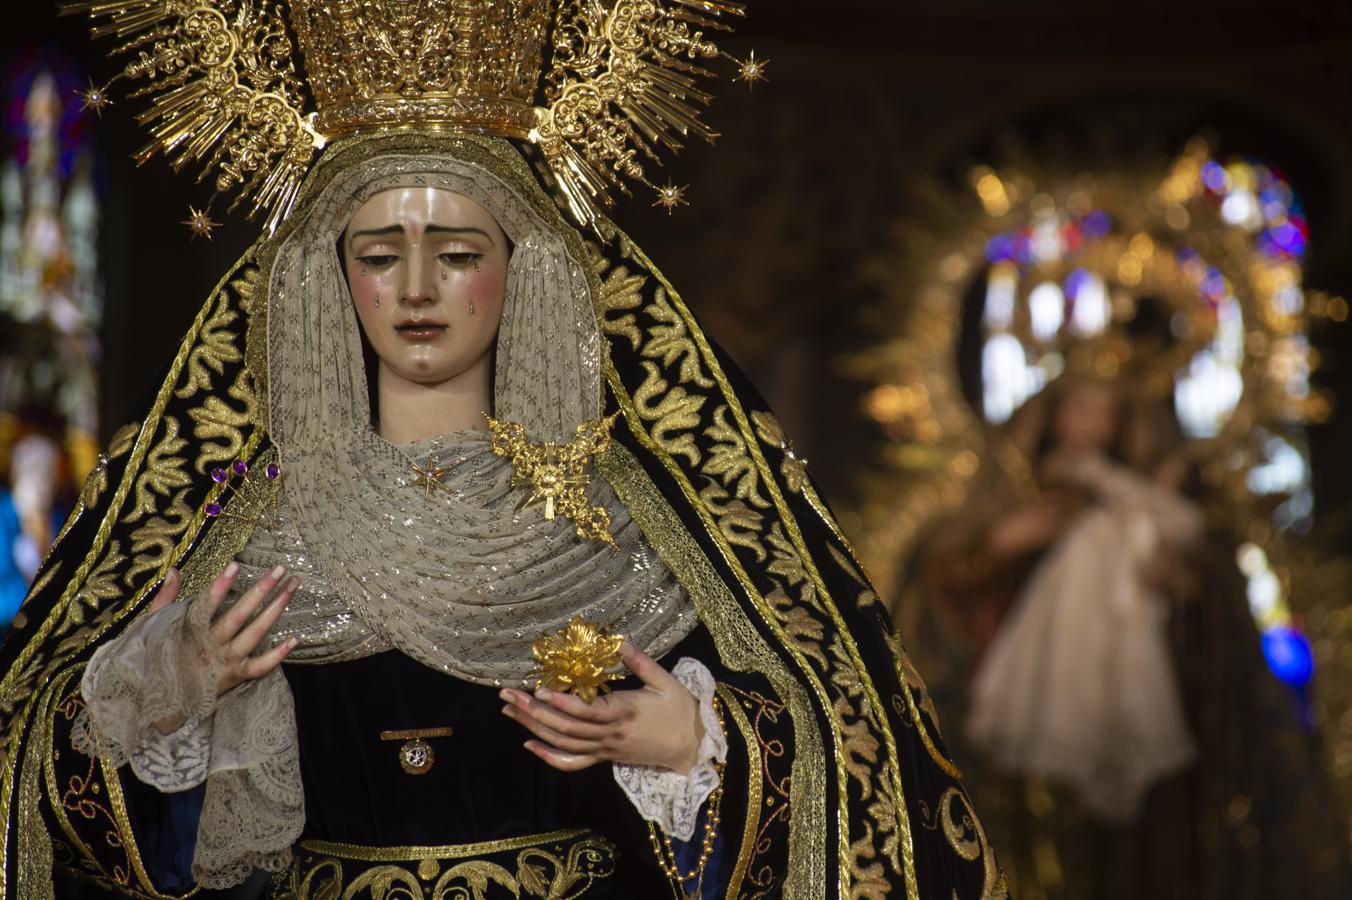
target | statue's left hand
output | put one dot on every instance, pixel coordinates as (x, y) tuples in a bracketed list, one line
[(655, 725)]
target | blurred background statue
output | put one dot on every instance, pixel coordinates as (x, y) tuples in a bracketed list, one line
[(1097, 399)]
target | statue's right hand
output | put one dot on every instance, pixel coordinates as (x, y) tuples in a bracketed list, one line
[(236, 634)]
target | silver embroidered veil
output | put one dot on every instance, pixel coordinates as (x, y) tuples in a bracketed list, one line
[(461, 579)]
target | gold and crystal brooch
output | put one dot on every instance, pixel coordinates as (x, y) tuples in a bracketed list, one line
[(558, 474)]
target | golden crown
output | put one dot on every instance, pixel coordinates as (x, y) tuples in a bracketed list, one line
[(598, 85), (437, 63)]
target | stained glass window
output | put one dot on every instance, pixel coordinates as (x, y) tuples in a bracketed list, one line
[(51, 307)]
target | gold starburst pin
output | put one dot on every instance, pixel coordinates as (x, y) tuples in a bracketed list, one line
[(581, 658), (671, 196), (752, 70), (199, 221), (95, 98), (430, 477)]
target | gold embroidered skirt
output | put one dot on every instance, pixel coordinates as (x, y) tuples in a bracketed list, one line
[(575, 864)]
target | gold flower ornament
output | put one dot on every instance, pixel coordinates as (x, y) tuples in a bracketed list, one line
[(581, 658)]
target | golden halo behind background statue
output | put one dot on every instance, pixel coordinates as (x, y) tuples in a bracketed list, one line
[(1036, 272), (1062, 263), (597, 87)]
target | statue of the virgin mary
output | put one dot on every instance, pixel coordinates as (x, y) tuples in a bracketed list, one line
[(451, 559)]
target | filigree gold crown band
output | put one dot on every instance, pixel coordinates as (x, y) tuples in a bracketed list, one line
[(598, 85)]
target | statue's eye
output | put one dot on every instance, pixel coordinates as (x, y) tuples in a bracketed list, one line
[(378, 261), (460, 259)]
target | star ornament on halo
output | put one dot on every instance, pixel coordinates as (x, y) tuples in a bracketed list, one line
[(200, 223), (752, 70), (95, 98), (671, 196)]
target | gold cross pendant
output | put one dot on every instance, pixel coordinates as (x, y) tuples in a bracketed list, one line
[(558, 474)]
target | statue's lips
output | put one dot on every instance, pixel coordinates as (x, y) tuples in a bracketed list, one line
[(420, 331)]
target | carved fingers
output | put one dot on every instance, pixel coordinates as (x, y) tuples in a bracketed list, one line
[(237, 633), (656, 725)]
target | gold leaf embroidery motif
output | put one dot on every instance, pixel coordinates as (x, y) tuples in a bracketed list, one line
[(221, 428), (95, 484), (793, 468), (621, 294), (739, 524), (670, 342), (217, 346), (543, 868), (98, 587), (153, 543), (806, 629), (163, 473), (729, 461), (675, 411), (123, 439)]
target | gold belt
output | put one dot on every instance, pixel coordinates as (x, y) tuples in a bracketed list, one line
[(577, 861)]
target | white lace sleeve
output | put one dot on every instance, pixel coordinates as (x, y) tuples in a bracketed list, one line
[(668, 799), (242, 745), (155, 671)]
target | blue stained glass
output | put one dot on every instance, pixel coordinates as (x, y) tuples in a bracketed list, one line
[(1000, 248), (1074, 281), (1213, 287), (1289, 238), (1288, 655), (1213, 176), (1096, 224)]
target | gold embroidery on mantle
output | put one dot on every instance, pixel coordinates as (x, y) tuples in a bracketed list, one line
[(154, 464), (879, 785), (557, 866), (741, 648)]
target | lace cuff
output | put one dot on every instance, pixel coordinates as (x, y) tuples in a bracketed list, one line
[(242, 745), (669, 799), (158, 670)]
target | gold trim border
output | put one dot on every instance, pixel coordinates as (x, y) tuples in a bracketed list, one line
[(359, 853), (724, 616), (754, 790)]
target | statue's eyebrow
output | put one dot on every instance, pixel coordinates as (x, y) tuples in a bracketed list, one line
[(375, 232), (431, 229), (446, 229)]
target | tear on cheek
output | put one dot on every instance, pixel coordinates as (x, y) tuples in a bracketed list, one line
[(486, 289)]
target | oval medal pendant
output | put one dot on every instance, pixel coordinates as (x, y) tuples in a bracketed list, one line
[(416, 757)]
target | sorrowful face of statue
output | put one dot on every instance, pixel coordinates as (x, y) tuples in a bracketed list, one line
[(427, 268)]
